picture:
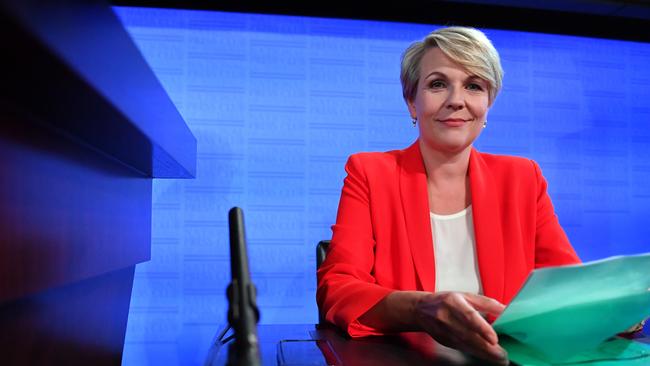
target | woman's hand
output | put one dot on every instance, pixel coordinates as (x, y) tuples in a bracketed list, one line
[(454, 319)]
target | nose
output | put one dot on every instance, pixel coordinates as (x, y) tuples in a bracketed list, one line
[(455, 99)]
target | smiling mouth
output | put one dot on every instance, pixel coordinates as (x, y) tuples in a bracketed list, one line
[(453, 122)]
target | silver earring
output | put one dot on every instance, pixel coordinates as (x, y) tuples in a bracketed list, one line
[(485, 123), (414, 121)]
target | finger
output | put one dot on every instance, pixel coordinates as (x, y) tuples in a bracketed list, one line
[(482, 349), (469, 319), (472, 321), (477, 346), (484, 304)]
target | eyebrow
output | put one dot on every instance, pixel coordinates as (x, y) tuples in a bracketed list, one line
[(476, 77), (470, 77), (436, 73)]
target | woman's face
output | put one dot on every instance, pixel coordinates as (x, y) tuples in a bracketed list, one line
[(450, 104)]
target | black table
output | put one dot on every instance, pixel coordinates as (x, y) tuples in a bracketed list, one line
[(326, 343)]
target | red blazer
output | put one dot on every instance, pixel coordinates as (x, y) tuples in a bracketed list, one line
[(382, 238)]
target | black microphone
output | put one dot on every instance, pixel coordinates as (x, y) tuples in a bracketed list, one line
[(243, 313)]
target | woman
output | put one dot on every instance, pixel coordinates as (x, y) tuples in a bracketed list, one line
[(433, 237)]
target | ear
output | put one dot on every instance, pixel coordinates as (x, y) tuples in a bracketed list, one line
[(491, 100), (412, 110)]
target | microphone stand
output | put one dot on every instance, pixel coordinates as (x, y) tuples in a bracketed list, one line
[(243, 313)]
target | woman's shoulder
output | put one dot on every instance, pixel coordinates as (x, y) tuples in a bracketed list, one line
[(510, 165), (372, 163), (377, 157), (512, 161)]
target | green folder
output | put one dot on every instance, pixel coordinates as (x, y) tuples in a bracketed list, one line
[(561, 312), (613, 352)]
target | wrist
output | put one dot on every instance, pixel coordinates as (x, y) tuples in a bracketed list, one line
[(417, 306)]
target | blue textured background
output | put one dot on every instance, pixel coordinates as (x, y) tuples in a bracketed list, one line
[(277, 103)]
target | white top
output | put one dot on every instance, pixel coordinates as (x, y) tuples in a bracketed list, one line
[(454, 248)]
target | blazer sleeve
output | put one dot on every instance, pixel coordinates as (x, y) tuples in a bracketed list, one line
[(552, 247), (346, 287)]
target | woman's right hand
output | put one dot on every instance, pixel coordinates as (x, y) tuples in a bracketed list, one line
[(454, 319)]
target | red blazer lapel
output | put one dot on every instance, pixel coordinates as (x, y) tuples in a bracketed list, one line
[(485, 210), (415, 205), (487, 227)]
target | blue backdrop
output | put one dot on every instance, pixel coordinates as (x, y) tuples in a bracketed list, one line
[(277, 103)]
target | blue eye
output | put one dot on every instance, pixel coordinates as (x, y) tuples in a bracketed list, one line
[(436, 84), (474, 86)]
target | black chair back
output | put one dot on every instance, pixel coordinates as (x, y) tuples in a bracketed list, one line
[(321, 253)]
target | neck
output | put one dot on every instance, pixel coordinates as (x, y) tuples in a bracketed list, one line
[(445, 166)]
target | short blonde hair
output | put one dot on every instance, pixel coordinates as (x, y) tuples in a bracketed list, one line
[(466, 46)]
